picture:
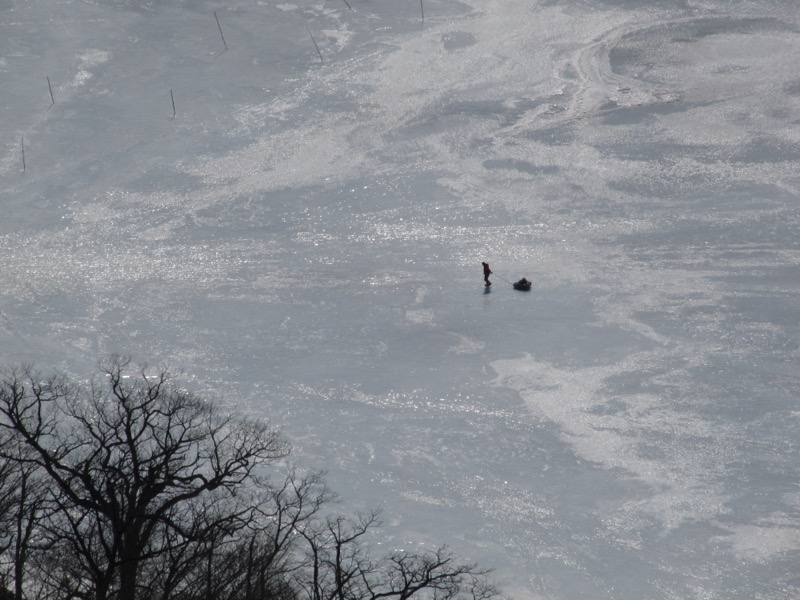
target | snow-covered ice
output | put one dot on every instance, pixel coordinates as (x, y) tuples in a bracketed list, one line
[(303, 239)]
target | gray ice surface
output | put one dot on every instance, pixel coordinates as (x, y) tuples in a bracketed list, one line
[(303, 239)]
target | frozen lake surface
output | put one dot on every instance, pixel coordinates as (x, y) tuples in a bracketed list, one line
[(303, 238)]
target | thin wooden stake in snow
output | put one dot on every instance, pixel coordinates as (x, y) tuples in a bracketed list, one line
[(220, 31), (348, 5), (50, 87), (173, 103), (23, 154), (422, 10), (317, 47)]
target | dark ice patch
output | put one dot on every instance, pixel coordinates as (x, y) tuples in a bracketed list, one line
[(558, 135), (519, 165), (624, 4), (507, 114), (457, 40), (640, 53), (792, 88), (767, 150), (613, 114)]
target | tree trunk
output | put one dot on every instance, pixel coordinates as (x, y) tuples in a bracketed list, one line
[(129, 567), (127, 580), (25, 523)]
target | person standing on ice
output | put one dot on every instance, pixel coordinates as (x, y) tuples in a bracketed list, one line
[(486, 272)]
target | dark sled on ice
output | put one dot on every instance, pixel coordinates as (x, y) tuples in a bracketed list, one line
[(523, 285)]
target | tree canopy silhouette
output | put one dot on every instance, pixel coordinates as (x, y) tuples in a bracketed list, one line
[(144, 490)]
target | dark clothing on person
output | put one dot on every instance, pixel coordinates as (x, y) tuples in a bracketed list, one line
[(486, 272)]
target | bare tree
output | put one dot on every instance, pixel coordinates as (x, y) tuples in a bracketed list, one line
[(177, 567), (255, 557), (283, 512), (342, 568), (436, 574), (149, 493), (10, 480), (24, 505), (125, 455)]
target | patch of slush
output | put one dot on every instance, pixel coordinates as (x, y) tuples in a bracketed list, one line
[(670, 451), (764, 541)]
